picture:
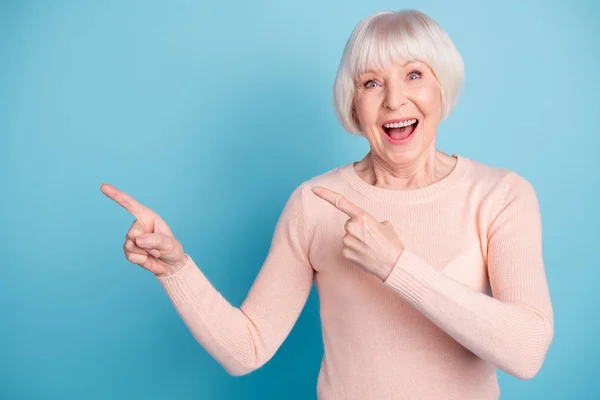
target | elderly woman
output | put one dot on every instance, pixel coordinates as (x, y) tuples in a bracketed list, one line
[(428, 267)]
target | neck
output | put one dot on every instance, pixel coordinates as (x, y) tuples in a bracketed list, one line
[(428, 169)]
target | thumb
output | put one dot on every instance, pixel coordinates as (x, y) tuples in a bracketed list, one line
[(155, 241)]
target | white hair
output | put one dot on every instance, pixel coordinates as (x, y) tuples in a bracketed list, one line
[(384, 37)]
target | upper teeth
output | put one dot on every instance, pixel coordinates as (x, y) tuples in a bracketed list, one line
[(400, 124)]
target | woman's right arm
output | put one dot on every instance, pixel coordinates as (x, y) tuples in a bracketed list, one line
[(245, 338)]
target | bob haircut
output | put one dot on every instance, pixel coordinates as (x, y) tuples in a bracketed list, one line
[(384, 37)]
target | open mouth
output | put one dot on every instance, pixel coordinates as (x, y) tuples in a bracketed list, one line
[(400, 130)]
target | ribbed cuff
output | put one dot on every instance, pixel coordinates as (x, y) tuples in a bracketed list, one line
[(188, 284), (412, 277)]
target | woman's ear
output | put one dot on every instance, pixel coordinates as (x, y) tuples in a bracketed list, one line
[(355, 116), (357, 122)]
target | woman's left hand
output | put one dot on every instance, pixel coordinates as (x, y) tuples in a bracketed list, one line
[(372, 245)]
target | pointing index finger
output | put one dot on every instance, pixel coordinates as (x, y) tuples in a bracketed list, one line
[(125, 201), (338, 201)]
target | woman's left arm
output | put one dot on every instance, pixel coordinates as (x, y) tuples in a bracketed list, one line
[(514, 328)]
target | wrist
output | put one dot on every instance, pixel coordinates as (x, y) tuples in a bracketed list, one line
[(173, 268), (389, 268)]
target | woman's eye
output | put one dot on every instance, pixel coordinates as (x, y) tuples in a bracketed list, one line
[(414, 75), (370, 84)]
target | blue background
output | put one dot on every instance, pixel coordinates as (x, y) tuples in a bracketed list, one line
[(211, 113)]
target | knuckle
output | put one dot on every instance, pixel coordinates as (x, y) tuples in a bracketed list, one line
[(351, 230), (133, 233), (136, 224), (136, 232), (155, 253), (352, 227), (139, 226)]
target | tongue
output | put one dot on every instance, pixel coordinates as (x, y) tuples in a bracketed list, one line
[(401, 133)]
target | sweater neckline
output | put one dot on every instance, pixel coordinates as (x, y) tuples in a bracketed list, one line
[(440, 187)]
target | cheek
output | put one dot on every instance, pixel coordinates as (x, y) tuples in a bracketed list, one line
[(428, 99), (366, 107)]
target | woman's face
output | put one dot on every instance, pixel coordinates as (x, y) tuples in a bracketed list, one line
[(399, 110)]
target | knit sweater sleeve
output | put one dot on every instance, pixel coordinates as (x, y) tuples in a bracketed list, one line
[(243, 339), (514, 328)]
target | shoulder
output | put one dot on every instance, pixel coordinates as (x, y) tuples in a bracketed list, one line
[(501, 191), (331, 179), (498, 182), (302, 195), (311, 204), (303, 209)]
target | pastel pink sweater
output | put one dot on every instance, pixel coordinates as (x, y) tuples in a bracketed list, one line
[(467, 296)]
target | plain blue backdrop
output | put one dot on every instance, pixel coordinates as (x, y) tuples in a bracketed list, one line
[(211, 113)]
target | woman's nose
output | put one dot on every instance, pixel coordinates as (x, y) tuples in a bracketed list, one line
[(394, 97)]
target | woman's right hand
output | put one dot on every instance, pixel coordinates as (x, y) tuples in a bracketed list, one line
[(149, 242)]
